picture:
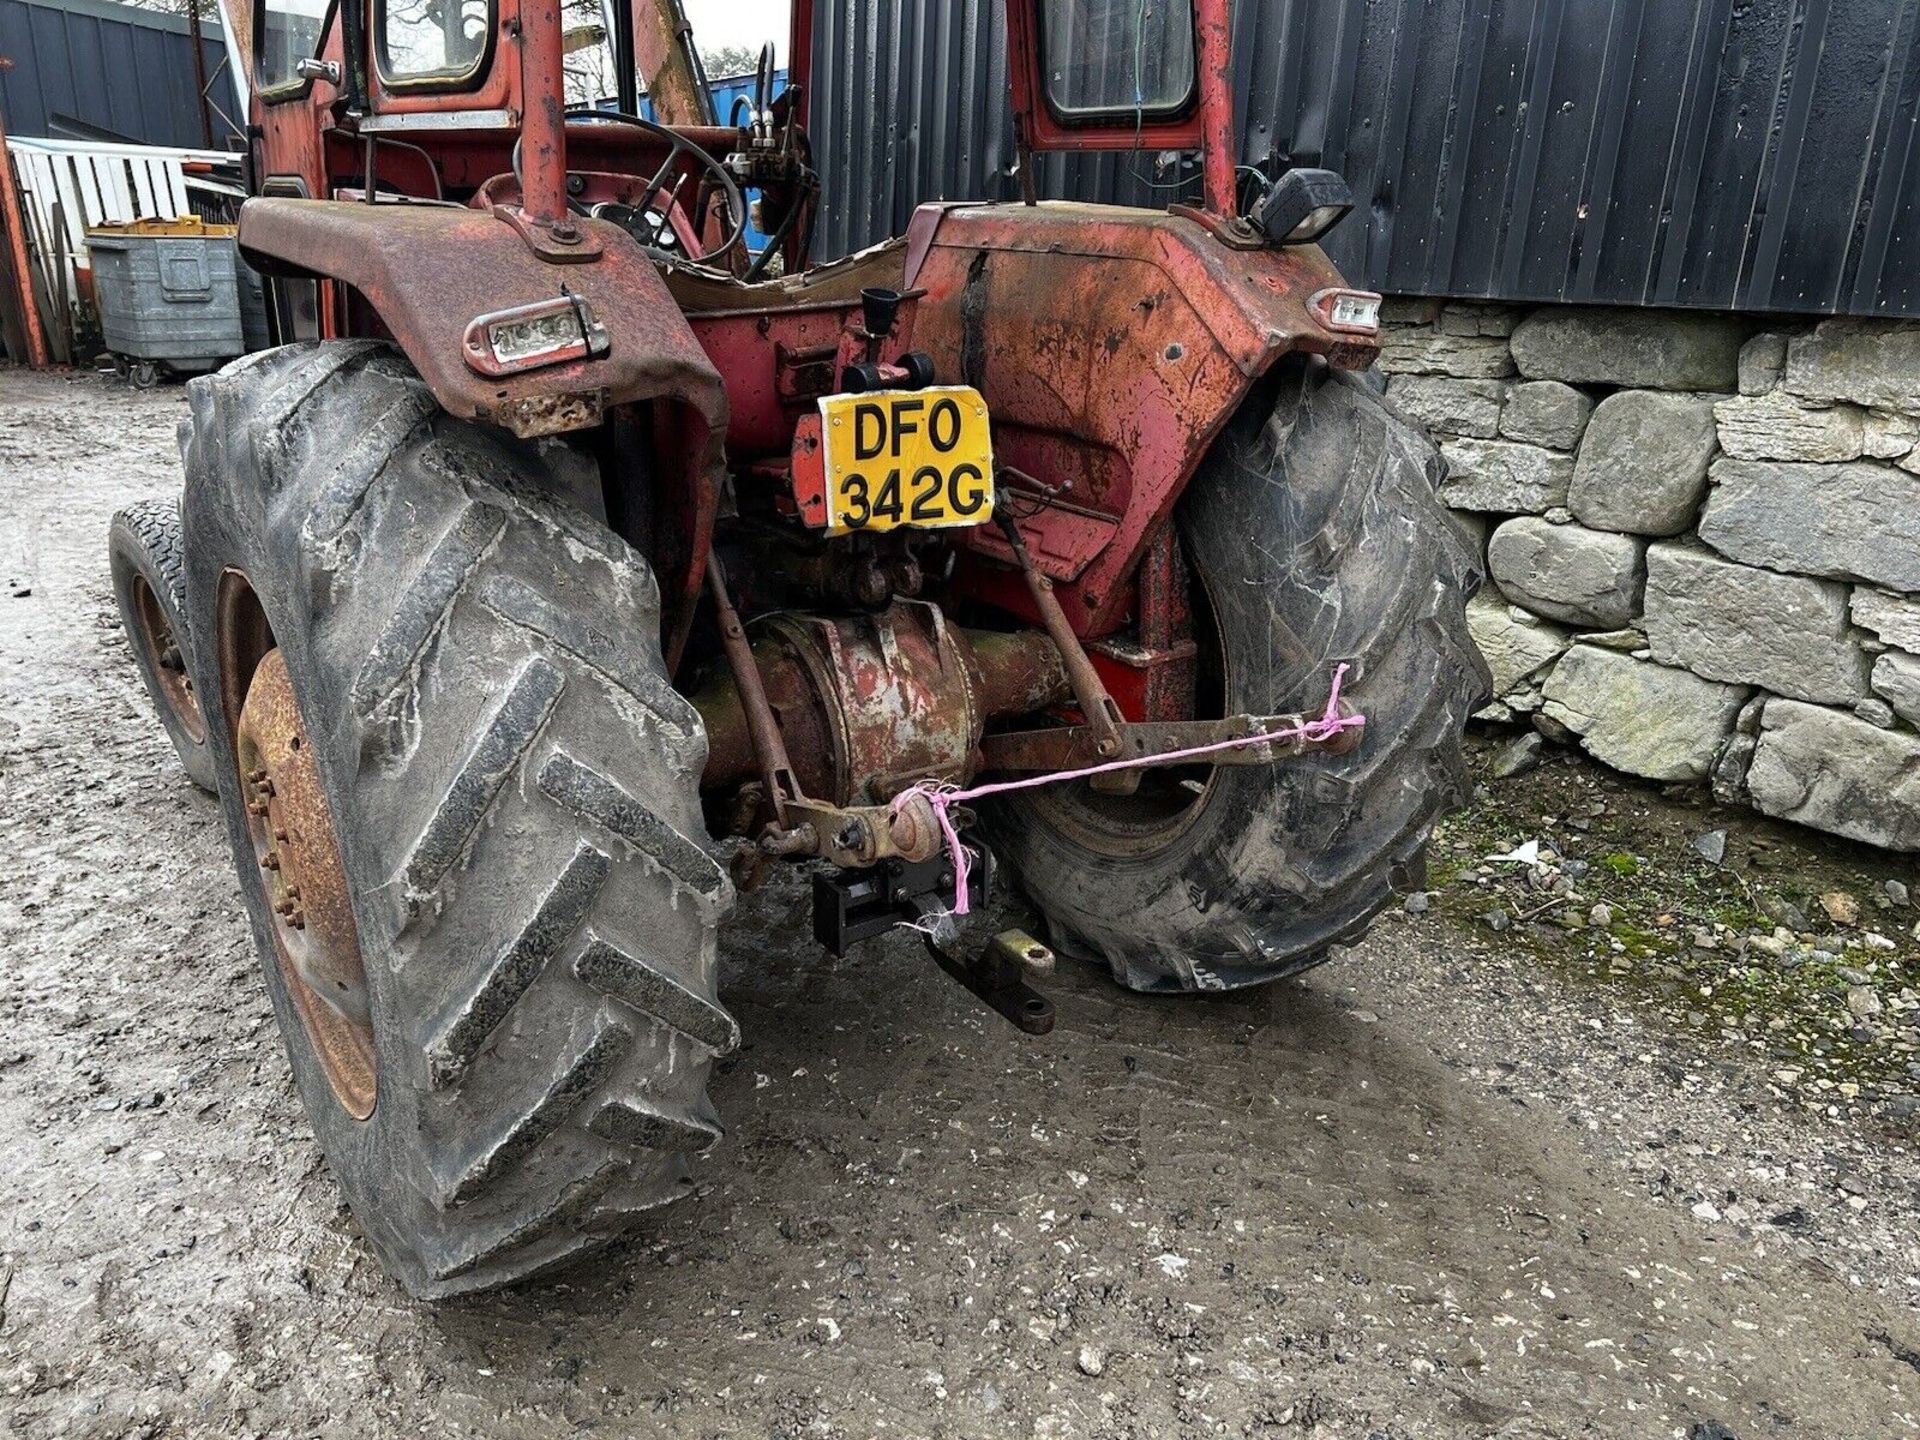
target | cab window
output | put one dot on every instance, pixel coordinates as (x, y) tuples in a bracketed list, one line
[(432, 44), (289, 31), (1117, 58)]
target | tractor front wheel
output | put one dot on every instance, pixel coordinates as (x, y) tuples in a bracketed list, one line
[(463, 804), (1315, 538), (150, 587)]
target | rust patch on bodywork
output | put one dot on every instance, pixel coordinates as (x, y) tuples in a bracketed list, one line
[(428, 270), (1111, 345), (531, 416)]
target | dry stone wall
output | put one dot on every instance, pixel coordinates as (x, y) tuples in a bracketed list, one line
[(1702, 536)]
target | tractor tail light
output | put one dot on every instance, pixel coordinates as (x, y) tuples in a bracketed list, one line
[(1351, 312), (527, 337)]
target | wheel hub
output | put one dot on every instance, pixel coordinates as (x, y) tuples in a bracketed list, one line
[(305, 883), (169, 665)]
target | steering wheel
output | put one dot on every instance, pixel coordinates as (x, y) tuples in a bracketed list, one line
[(651, 226)]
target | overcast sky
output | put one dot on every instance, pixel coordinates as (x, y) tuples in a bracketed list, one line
[(740, 22)]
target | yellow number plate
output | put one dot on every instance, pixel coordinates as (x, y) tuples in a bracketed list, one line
[(920, 458)]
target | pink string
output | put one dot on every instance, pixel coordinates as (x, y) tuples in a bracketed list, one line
[(1330, 723)]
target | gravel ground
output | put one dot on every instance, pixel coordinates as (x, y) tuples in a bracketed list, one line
[(1451, 1185)]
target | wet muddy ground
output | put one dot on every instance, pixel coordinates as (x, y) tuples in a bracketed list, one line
[(1465, 1181)]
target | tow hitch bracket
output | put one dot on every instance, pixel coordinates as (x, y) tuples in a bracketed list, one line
[(998, 974), (854, 905)]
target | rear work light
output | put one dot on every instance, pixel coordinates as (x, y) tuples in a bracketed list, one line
[(1351, 312), (527, 337), (1301, 206)]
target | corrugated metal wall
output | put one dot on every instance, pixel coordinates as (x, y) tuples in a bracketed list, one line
[(1747, 154), (113, 66)]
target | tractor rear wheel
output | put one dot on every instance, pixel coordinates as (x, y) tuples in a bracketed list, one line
[(462, 800), (150, 587), (1315, 537)]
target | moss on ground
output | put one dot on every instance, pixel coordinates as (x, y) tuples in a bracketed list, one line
[(1744, 952)]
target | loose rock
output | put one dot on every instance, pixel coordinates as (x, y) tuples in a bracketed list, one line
[(1473, 318), (1711, 847), (1876, 712), (1779, 427), (1410, 310), (1626, 640), (1431, 352), (1785, 913), (1841, 907), (1521, 756), (1728, 778), (1894, 618), (1887, 436)]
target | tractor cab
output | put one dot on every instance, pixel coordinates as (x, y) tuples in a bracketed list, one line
[(519, 108)]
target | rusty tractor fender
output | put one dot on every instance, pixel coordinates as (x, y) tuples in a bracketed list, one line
[(1112, 345), (428, 271)]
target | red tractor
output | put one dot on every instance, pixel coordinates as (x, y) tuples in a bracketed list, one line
[(571, 563)]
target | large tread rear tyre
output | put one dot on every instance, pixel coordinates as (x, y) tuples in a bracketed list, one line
[(1314, 528), (150, 588), (513, 787)]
